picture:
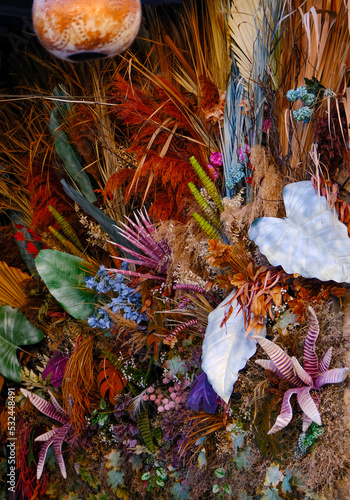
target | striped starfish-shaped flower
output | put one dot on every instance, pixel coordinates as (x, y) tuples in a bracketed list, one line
[(55, 436), (312, 376)]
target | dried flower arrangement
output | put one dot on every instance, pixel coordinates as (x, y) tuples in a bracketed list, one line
[(151, 223)]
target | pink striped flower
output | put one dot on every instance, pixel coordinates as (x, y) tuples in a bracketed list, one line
[(312, 376)]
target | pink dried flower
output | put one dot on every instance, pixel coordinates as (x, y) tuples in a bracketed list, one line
[(171, 404), (152, 397), (160, 409), (150, 390), (213, 172), (266, 125), (216, 159), (167, 407), (145, 397), (165, 401), (173, 395)]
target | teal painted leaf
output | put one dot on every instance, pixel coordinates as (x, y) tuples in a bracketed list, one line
[(271, 494), (115, 478), (176, 366), (202, 459), (226, 349), (310, 241), (63, 275), (15, 330), (136, 462), (180, 491), (286, 487), (113, 460), (273, 475), (242, 459)]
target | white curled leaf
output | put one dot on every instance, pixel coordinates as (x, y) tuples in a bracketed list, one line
[(310, 241), (226, 349)]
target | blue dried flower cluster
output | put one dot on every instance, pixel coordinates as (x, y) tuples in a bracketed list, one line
[(127, 303), (301, 93), (235, 175), (303, 114)]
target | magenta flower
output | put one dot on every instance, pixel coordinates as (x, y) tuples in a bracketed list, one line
[(304, 379), (216, 159), (56, 366)]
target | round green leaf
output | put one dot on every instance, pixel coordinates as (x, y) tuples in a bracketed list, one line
[(64, 275), (15, 330)]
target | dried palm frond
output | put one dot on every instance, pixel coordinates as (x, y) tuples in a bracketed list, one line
[(12, 286), (315, 33)]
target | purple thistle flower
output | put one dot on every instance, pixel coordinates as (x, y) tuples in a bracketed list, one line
[(56, 366), (203, 394), (312, 376)]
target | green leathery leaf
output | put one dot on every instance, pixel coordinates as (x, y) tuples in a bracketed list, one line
[(108, 225), (15, 330), (69, 158), (63, 275)]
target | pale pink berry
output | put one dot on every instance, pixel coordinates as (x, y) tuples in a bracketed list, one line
[(157, 401), (165, 401), (176, 386), (150, 390), (173, 395), (171, 389), (178, 400), (171, 404), (160, 409), (166, 380), (152, 397), (167, 407), (145, 397)]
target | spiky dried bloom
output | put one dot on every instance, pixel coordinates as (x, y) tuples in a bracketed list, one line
[(312, 376), (156, 252)]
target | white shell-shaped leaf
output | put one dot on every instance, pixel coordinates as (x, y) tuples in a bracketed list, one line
[(226, 349), (310, 241)]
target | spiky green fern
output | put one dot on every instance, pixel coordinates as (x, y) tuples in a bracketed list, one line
[(66, 228), (206, 227), (68, 245), (207, 209), (207, 184)]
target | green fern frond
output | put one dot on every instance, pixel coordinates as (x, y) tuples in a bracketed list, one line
[(206, 227), (207, 184), (66, 228), (68, 245), (113, 359), (207, 209), (143, 424)]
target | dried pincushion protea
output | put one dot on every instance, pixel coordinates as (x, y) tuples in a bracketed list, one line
[(78, 30), (305, 379)]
